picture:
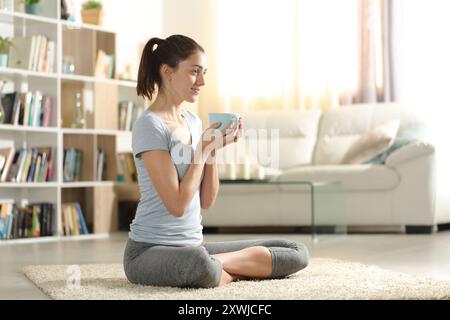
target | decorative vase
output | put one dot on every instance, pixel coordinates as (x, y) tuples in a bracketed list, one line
[(3, 59), (32, 8), (92, 16)]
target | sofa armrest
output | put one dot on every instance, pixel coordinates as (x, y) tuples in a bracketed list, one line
[(409, 152)]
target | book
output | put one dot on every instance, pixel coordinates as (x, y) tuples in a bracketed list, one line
[(100, 163), (41, 64), (2, 161), (37, 168), (51, 49), (43, 168), (75, 220), (78, 159), (104, 66), (36, 226), (48, 176), (9, 101), (26, 166), (6, 208), (47, 110), (11, 176), (20, 165), (8, 162), (26, 112), (37, 52), (17, 109), (35, 120), (32, 51), (81, 218), (19, 53), (34, 154), (120, 169)]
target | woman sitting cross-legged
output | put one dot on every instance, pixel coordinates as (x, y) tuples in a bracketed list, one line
[(178, 176)]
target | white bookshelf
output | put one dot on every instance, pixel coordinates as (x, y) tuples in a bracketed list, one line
[(97, 198)]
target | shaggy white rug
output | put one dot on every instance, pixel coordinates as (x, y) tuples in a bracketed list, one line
[(322, 279)]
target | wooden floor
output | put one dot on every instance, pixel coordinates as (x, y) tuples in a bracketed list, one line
[(415, 254)]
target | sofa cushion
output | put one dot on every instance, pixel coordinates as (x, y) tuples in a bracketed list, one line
[(413, 133), (353, 177), (339, 128), (372, 143)]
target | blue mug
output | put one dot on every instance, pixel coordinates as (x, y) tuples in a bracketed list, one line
[(224, 118)]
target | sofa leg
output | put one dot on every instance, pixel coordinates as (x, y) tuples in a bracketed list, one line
[(419, 229), (443, 227)]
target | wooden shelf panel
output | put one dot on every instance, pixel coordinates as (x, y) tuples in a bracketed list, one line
[(78, 47)]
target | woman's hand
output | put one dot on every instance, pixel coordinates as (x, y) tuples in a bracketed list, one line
[(213, 139)]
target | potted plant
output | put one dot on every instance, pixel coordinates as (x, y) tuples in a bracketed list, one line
[(5, 43), (92, 12), (31, 6)]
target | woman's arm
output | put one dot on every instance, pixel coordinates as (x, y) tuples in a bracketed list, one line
[(210, 183), (175, 195)]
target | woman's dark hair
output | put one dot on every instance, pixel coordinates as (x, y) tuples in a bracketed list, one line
[(170, 51)]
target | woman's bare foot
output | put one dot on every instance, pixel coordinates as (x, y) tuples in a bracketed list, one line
[(229, 277), (237, 277), (226, 278)]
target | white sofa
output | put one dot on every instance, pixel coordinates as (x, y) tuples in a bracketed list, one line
[(400, 193)]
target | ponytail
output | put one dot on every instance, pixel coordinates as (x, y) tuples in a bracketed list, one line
[(148, 75)]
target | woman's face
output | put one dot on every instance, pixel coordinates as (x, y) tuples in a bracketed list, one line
[(189, 77)]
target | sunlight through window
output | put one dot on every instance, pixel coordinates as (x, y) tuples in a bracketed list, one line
[(279, 48)]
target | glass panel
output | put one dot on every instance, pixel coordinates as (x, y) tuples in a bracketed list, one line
[(328, 211)]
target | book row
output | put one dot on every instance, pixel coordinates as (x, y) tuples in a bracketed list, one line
[(35, 53), (73, 221), (27, 164), (30, 109), (73, 159), (126, 169), (128, 113), (30, 221)]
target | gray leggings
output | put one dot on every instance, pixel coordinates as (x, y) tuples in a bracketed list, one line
[(160, 265)]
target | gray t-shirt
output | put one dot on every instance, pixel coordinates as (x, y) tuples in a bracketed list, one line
[(153, 223)]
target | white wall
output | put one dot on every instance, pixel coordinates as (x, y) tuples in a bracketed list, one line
[(426, 77), (195, 19), (135, 21)]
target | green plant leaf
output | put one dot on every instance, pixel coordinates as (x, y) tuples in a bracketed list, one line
[(92, 4)]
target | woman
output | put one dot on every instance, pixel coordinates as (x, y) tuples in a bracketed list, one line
[(178, 176)]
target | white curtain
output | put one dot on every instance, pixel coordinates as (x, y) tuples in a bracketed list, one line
[(380, 39)]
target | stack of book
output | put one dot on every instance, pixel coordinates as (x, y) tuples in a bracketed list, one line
[(126, 169), (72, 218), (33, 220), (101, 163), (33, 164), (104, 66), (72, 164), (30, 109), (128, 113), (36, 53)]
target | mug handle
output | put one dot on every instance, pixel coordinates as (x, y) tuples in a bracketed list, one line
[(235, 120)]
